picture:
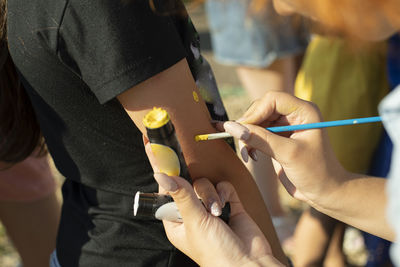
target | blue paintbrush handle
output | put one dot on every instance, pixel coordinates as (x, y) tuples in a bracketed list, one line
[(323, 124)]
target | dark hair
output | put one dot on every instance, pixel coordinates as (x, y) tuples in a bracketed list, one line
[(20, 134)]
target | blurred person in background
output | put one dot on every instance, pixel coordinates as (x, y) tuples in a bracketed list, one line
[(363, 205), (345, 79), (266, 50), (29, 208)]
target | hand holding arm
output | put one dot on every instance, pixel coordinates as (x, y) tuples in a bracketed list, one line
[(207, 239)]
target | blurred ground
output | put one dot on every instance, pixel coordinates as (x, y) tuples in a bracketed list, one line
[(236, 102)]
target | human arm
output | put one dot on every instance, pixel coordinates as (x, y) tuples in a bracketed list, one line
[(312, 172), (28, 192), (135, 54), (172, 90)]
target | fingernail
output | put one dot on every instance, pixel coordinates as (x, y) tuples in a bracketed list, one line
[(240, 120), (244, 153), (222, 199), (215, 209), (166, 182), (253, 155), (237, 130)]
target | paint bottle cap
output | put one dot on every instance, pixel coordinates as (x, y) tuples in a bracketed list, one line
[(158, 125), (156, 118)]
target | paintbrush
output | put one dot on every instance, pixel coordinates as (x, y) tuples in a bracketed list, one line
[(290, 128)]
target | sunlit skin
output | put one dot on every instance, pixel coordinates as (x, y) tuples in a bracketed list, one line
[(370, 20)]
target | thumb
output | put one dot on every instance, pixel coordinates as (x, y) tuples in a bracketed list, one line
[(185, 198), (271, 144)]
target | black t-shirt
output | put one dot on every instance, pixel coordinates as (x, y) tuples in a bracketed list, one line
[(74, 57)]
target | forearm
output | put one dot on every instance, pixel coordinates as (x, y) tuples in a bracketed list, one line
[(173, 91), (359, 201)]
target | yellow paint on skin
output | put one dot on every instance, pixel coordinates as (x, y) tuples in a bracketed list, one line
[(167, 160), (156, 118), (195, 97)]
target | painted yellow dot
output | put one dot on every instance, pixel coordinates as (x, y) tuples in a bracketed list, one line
[(195, 96)]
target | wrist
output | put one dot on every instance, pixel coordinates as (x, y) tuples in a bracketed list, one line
[(332, 191), (266, 261)]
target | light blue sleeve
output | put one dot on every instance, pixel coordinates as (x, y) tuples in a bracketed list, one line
[(389, 110)]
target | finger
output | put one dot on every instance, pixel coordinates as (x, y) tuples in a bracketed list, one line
[(151, 157), (271, 106), (205, 190), (253, 154), (244, 153), (277, 167), (252, 136), (184, 196), (153, 161), (219, 126), (249, 110), (166, 184), (237, 130), (227, 193), (278, 147)]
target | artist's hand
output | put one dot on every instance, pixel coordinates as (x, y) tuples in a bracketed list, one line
[(310, 168), (205, 238)]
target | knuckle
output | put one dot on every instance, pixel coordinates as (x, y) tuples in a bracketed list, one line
[(313, 109), (204, 222), (270, 94), (182, 195), (293, 153)]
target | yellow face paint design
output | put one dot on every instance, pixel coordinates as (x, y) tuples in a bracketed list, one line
[(195, 96), (167, 160)]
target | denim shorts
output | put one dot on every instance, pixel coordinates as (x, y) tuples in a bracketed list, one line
[(241, 36), (53, 260)]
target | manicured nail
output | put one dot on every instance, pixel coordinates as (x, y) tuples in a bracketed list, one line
[(215, 209), (253, 155), (240, 120), (166, 182), (237, 130), (222, 199), (244, 153)]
